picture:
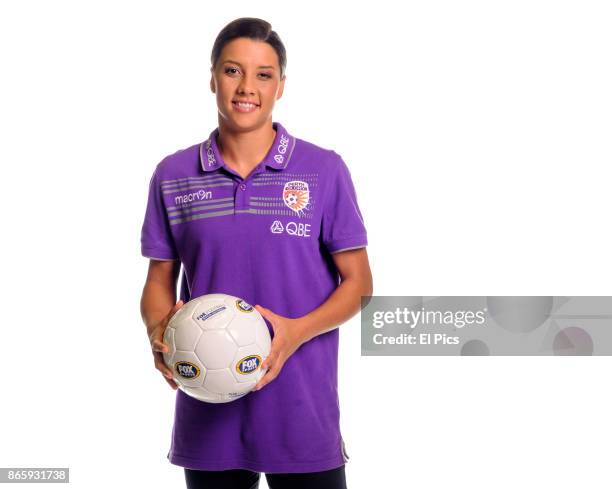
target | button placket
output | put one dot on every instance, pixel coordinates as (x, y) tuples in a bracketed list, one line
[(246, 186), (242, 192), (240, 201)]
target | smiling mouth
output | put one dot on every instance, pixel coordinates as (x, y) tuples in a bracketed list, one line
[(244, 106)]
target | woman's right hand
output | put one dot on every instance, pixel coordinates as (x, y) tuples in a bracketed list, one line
[(159, 347)]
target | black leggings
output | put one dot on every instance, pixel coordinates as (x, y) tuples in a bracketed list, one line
[(247, 479)]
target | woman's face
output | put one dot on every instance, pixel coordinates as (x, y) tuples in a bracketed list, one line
[(246, 71)]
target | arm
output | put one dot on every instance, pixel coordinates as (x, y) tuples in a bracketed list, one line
[(159, 292), (341, 305), (159, 297), (345, 301)]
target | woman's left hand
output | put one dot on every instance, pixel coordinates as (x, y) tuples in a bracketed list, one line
[(287, 339)]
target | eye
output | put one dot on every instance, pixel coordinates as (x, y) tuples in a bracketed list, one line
[(230, 69), (266, 75)]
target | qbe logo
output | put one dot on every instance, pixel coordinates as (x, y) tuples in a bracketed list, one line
[(210, 155), (291, 228), (277, 227)]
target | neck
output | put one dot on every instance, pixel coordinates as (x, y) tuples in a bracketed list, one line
[(244, 150)]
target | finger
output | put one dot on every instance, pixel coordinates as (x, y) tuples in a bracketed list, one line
[(270, 375), (171, 383), (267, 378), (262, 382), (266, 313), (160, 346), (270, 360), (264, 378), (266, 364), (162, 367), (175, 308)]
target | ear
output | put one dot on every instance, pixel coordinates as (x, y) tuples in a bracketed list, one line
[(212, 81), (281, 88)]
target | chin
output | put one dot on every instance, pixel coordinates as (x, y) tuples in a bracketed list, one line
[(246, 123)]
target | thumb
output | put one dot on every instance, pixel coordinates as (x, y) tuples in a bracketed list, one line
[(266, 313), (175, 308)]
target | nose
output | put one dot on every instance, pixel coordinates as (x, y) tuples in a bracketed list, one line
[(245, 86), (242, 90)]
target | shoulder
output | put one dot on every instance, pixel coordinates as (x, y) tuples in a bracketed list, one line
[(322, 160), (182, 162)]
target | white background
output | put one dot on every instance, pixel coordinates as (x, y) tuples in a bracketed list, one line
[(478, 137)]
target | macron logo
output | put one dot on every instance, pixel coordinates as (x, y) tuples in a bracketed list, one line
[(187, 198)]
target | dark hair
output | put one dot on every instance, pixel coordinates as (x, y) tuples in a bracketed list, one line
[(252, 28)]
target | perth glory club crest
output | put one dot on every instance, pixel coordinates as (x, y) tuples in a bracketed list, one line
[(296, 196)]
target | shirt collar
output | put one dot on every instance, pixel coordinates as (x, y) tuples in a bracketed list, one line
[(278, 157)]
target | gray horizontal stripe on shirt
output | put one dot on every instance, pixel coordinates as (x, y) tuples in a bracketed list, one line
[(194, 179), (273, 212), (266, 198), (269, 199), (202, 207), (195, 187), (273, 204), (267, 212), (279, 182), (286, 174), (286, 177), (193, 182), (267, 204), (209, 201), (203, 182), (195, 217)]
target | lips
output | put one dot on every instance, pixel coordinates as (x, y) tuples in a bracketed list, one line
[(243, 106)]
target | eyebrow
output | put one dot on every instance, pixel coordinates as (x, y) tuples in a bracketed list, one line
[(236, 63)]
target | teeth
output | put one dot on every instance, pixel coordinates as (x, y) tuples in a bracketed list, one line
[(245, 105)]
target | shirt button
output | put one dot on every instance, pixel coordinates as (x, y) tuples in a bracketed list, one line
[(242, 186)]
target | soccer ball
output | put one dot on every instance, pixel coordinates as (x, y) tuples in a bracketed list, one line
[(292, 199), (217, 343)]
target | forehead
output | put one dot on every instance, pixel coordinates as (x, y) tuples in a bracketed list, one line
[(249, 52)]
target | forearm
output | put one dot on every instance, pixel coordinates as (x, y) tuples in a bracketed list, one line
[(340, 306), (157, 299)]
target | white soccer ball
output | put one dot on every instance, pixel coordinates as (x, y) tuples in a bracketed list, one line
[(217, 343)]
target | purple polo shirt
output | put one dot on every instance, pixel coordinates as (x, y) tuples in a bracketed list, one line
[(267, 239)]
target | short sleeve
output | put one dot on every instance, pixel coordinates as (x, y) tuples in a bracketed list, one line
[(156, 237), (342, 226)]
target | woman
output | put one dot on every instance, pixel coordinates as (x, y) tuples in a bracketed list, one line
[(257, 213)]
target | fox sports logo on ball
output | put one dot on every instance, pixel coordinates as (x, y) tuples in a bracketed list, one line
[(217, 344)]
